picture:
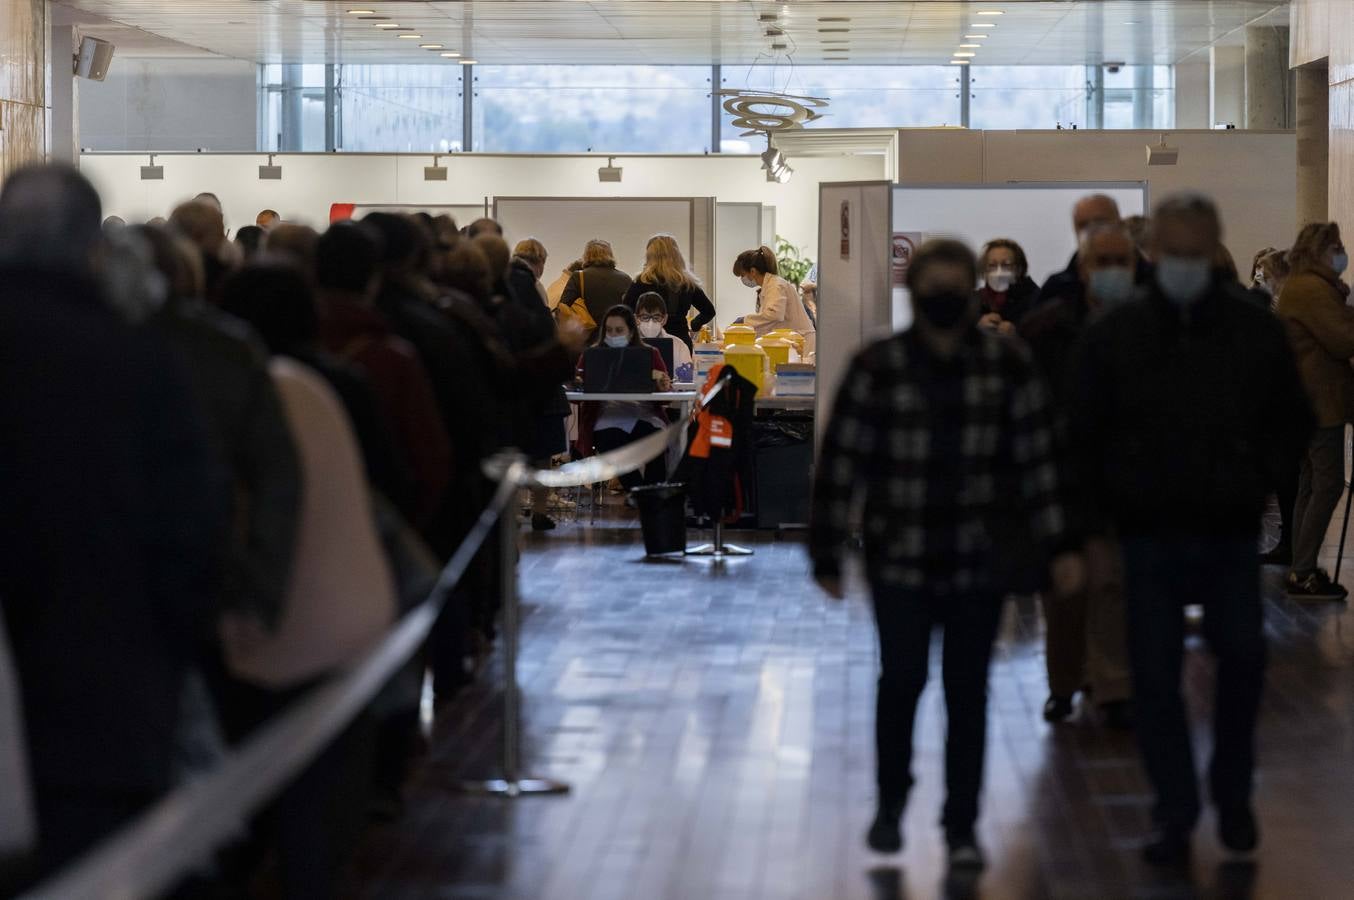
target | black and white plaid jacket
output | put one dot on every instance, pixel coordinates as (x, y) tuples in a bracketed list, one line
[(936, 523)]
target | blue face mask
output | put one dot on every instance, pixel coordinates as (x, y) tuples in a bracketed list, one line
[(617, 340), (1339, 262), (1183, 279), (1111, 285)]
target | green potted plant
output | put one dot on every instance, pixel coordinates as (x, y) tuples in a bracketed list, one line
[(793, 263)]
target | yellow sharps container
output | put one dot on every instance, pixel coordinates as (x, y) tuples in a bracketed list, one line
[(750, 361), (794, 337), (740, 334), (777, 350)]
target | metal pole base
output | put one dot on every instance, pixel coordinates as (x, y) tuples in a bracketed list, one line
[(497, 787), (717, 551)]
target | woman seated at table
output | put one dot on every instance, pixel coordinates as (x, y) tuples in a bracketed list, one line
[(611, 424)]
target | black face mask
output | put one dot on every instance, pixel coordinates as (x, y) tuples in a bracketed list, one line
[(943, 309)]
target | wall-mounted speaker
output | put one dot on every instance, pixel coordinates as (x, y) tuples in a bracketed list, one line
[(93, 59)]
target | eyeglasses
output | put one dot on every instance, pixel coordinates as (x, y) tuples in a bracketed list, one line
[(656, 320)]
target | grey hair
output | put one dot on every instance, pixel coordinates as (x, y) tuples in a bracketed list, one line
[(1189, 205)]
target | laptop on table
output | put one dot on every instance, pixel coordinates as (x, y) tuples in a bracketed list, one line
[(664, 347), (618, 370)]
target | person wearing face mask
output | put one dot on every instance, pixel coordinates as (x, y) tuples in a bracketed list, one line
[(1321, 331), (651, 315), (1008, 292), (1269, 273), (611, 424), (778, 301), (1085, 649), (899, 438), (1094, 209), (1175, 442)]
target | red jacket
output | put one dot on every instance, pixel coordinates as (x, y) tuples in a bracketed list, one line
[(359, 334), (589, 410)]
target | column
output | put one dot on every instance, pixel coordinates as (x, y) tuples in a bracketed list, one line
[(1313, 108), (1267, 100), (65, 93), (1192, 95), (1227, 87), (23, 83)]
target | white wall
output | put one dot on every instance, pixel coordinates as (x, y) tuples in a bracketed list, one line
[(311, 182), (171, 104), (1251, 175)]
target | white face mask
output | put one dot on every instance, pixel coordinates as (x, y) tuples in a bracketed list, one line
[(617, 340), (650, 329), (749, 283), (1000, 279)]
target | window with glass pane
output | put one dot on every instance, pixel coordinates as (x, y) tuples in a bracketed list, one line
[(858, 96), (562, 109), (291, 107), (1140, 97), (1009, 97), (399, 109)]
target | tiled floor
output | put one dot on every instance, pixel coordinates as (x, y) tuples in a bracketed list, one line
[(715, 722)]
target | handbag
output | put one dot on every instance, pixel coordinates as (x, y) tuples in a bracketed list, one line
[(576, 312)]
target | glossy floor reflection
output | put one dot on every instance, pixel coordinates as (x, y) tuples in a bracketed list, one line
[(715, 723)]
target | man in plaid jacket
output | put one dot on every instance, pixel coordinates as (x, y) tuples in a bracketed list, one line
[(945, 432)]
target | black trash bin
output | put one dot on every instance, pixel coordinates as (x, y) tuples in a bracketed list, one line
[(662, 517)]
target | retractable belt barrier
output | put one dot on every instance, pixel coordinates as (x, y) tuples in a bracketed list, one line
[(176, 836)]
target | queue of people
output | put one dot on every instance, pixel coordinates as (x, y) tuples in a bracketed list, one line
[(1104, 428)]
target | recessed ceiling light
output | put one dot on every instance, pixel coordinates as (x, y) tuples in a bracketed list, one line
[(1132, 22), (958, 62), (386, 25), (969, 46), (991, 12), (983, 25), (960, 54), (975, 37), (834, 18), (836, 41), (430, 46), (834, 30), (410, 37), (452, 54), (467, 62), (361, 12)]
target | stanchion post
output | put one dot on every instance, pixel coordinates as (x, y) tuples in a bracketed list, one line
[(511, 784)]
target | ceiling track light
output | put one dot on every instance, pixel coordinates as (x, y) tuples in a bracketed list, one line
[(270, 172)]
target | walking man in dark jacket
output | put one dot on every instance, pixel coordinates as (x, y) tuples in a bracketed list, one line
[(942, 429), (1084, 631), (1176, 439)]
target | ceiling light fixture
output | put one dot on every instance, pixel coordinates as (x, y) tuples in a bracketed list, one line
[(361, 12), (468, 62), (430, 46), (958, 62), (777, 167), (152, 172), (834, 18), (451, 54), (991, 12), (975, 37), (961, 54), (969, 46), (410, 37), (386, 25), (982, 25)]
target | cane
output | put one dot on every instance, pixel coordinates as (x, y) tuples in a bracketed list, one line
[(1340, 554)]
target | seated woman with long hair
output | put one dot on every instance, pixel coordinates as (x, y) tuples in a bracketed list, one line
[(611, 424)]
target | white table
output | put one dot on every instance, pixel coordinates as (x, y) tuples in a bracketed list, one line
[(683, 400)]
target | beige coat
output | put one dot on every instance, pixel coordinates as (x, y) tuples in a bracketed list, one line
[(341, 599), (1321, 331)]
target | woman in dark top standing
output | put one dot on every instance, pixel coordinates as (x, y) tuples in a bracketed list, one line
[(1008, 292), (599, 283), (665, 273)]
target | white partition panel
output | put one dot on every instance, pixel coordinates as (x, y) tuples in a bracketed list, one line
[(565, 224), (738, 227), (855, 239)]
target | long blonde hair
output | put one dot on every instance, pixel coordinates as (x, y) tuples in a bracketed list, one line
[(665, 265)]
